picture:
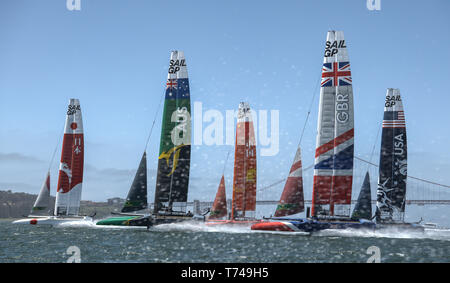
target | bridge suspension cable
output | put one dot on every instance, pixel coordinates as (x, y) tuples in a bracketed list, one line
[(363, 160)]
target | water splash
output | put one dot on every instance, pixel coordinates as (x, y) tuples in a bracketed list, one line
[(195, 226), (393, 233)]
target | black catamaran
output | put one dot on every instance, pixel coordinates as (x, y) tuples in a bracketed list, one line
[(391, 192)]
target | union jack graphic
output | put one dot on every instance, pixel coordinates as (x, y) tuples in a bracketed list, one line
[(171, 83), (336, 74)]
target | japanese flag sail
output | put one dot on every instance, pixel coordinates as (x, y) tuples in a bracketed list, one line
[(333, 166), (68, 193)]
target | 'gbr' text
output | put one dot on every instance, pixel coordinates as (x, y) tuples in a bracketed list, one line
[(342, 107)]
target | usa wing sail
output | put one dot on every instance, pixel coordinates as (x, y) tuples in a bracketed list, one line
[(391, 192)]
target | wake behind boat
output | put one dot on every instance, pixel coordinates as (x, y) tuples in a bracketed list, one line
[(70, 179), (52, 220)]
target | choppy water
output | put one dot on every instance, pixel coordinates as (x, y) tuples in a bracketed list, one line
[(194, 242)]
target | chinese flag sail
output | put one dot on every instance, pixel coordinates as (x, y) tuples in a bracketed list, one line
[(68, 194), (244, 183)]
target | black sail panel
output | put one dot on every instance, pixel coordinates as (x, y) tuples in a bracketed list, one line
[(137, 195), (363, 207), (391, 192)]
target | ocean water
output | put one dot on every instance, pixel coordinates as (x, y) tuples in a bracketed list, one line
[(197, 243)]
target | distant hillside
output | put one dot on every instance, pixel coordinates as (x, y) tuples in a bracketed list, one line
[(16, 205)]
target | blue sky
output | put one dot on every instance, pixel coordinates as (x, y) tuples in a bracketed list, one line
[(113, 56)]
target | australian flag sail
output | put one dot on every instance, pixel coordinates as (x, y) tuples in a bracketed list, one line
[(172, 179), (391, 192), (333, 166)]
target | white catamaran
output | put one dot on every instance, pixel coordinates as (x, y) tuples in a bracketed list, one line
[(68, 195)]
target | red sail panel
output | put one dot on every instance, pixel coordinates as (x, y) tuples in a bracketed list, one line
[(292, 199), (219, 208), (71, 171), (70, 179), (244, 183)]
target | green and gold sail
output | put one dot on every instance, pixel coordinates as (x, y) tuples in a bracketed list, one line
[(172, 180)]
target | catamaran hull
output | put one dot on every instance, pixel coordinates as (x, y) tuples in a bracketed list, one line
[(233, 222), (146, 221), (51, 220), (170, 219), (308, 225), (126, 221)]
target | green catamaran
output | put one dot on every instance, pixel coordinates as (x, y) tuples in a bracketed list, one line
[(174, 159), (136, 201), (172, 180)]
